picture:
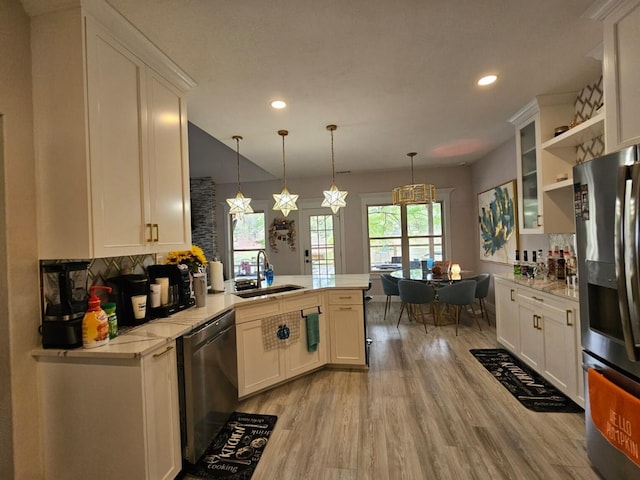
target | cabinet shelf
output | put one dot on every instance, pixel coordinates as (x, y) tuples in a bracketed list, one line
[(568, 183), (587, 130)]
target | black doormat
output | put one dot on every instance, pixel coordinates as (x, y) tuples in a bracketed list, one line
[(533, 391), (236, 450)]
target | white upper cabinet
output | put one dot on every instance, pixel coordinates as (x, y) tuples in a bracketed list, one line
[(111, 138), (622, 74), (545, 203)]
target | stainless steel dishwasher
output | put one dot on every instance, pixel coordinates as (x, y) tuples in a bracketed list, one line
[(208, 382)]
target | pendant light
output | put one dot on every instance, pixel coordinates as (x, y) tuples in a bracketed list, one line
[(239, 205), (333, 197), (414, 193), (285, 201)]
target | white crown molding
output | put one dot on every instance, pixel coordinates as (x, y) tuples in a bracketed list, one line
[(601, 9)]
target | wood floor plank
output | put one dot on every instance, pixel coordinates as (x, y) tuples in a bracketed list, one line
[(425, 409)]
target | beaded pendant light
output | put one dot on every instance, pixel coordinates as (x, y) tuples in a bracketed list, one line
[(413, 193)]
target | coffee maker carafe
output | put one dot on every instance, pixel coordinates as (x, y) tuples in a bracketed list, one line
[(64, 302)]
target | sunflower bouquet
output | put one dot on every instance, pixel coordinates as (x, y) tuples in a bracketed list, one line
[(193, 258)]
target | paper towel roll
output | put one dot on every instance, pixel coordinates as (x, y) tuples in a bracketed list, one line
[(217, 278)]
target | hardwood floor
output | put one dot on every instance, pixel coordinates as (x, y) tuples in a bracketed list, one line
[(426, 409)]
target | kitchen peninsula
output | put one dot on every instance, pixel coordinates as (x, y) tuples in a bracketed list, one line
[(120, 401)]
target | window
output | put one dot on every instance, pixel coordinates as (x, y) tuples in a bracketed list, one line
[(401, 236), (247, 236)]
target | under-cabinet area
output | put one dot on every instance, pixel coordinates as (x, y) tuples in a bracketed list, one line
[(122, 400), (539, 322)]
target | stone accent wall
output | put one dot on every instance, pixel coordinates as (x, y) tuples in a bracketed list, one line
[(203, 216)]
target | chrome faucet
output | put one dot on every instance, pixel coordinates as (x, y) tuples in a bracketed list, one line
[(265, 264)]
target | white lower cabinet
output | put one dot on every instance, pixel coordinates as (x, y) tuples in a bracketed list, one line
[(346, 324), (111, 418), (508, 328), (543, 330), (260, 367)]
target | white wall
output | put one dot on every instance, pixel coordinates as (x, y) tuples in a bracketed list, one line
[(20, 455), (462, 211), (496, 168)]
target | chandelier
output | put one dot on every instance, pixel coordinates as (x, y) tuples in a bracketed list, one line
[(414, 193), (333, 197), (285, 201), (239, 205)]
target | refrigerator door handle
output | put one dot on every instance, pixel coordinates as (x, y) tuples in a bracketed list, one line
[(626, 241)]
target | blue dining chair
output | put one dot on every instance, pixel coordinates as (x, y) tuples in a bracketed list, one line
[(390, 289), (482, 290), (414, 295), (457, 295)]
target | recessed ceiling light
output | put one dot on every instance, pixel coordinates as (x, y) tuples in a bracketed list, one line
[(487, 80), (279, 104)]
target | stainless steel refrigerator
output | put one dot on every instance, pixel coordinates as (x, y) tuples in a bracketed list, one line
[(607, 209)]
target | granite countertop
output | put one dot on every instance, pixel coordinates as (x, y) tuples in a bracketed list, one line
[(138, 341), (558, 288)]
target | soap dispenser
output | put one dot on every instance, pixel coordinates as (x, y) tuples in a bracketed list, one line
[(268, 274), (95, 324)]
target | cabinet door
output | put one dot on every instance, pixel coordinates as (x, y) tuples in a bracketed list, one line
[(347, 334), (507, 326), (160, 380), (299, 359), (168, 165), (530, 319), (118, 178), (258, 368), (560, 349), (622, 76), (528, 177)]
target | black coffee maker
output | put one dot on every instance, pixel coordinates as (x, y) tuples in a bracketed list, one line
[(179, 282), (64, 301), (124, 288)]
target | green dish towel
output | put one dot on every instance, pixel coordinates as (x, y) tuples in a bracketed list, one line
[(313, 331)]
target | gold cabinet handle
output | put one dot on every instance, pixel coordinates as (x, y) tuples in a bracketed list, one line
[(346, 308), (569, 314), (157, 232), (538, 220), (534, 322), (167, 350), (512, 292), (150, 227), (538, 299)]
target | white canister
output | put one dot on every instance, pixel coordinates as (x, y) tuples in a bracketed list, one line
[(156, 295), (164, 289)]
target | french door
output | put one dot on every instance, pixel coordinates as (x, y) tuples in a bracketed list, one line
[(320, 241)]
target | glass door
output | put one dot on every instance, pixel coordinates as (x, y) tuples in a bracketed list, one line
[(528, 176), (320, 242)]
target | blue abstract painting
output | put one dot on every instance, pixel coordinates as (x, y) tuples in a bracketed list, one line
[(498, 219)]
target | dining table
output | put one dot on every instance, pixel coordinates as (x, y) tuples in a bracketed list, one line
[(428, 276)]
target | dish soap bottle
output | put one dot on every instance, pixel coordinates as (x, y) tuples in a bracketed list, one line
[(268, 274), (95, 324)]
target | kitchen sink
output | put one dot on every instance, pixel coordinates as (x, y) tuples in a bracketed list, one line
[(267, 291)]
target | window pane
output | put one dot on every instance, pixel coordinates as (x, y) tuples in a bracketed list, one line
[(249, 236), (418, 220), (384, 221), (385, 254), (322, 246), (249, 233)]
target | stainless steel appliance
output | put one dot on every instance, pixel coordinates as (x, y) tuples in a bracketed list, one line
[(64, 302), (125, 287), (607, 205), (179, 282), (208, 382)]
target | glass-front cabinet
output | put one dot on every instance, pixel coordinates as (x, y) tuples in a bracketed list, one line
[(528, 176)]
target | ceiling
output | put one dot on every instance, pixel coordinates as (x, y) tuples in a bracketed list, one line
[(393, 76)]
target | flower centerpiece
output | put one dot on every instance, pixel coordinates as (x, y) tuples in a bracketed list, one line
[(193, 258)]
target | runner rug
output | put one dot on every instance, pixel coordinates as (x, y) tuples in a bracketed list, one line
[(533, 391), (234, 453)]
